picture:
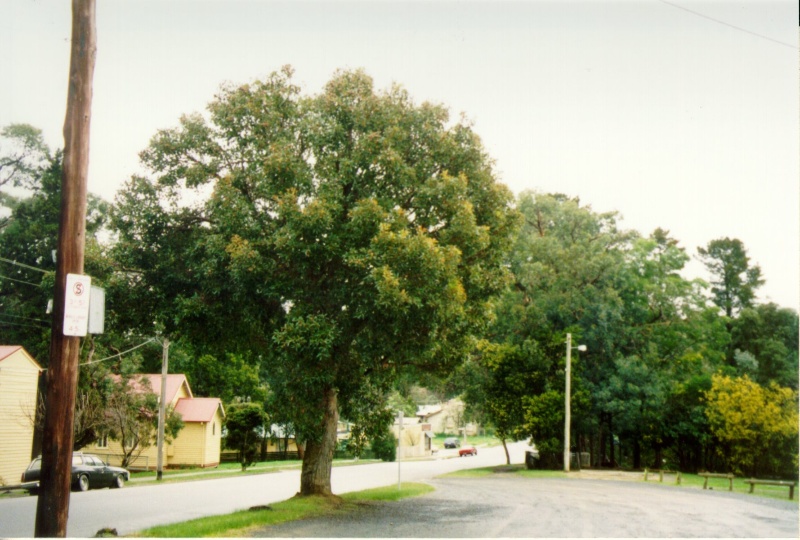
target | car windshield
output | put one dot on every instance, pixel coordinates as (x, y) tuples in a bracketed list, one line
[(36, 464)]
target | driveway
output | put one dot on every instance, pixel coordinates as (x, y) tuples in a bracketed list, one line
[(517, 507)]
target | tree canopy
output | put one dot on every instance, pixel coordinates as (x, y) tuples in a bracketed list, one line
[(348, 237)]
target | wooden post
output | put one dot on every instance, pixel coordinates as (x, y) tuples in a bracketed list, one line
[(62, 378)]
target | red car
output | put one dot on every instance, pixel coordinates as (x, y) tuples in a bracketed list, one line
[(468, 451)]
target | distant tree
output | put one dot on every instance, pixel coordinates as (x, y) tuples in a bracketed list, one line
[(243, 423), (768, 335), (23, 153), (734, 279)]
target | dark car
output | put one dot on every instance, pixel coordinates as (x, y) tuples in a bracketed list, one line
[(468, 451), (88, 471), (452, 442)]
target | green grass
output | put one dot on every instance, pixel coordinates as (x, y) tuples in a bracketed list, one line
[(688, 481), (230, 469), (222, 468), (519, 470), (739, 486), (292, 509)]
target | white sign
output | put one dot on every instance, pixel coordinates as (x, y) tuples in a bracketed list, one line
[(76, 305), (97, 310)]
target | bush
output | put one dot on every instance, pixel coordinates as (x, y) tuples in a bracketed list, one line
[(385, 447)]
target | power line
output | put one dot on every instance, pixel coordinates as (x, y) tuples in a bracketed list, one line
[(22, 265), (19, 280), (120, 353), (745, 30), (9, 323), (23, 317)]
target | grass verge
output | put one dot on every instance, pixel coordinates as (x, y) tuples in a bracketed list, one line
[(239, 523), (688, 481)]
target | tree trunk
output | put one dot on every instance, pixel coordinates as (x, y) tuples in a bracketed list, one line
[(505, 447), (315, 478), (611, 441)]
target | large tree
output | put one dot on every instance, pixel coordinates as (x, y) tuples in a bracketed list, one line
[(345, 238)]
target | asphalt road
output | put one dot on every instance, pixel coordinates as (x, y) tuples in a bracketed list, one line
[(514, 507), (134, 508)]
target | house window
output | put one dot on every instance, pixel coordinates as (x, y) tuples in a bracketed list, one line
[(213, 428), (102, 442)]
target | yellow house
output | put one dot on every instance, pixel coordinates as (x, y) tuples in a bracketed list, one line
[(19, 379), (198, 443)]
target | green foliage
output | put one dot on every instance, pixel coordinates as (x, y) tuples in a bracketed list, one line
[(29, 220), (384, 446), (735, 279), (244, 422), (348, 238), (768, 334)]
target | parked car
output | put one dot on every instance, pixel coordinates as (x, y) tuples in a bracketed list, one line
[(452, 442), (468, 451), (88, 471)]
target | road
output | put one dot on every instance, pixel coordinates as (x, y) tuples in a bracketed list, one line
[(137, 507), (509, 506)]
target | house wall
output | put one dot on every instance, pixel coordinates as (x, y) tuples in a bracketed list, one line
[(194, 445), (213, 441), (18, 386), (112, 454), (190, 445), (181, 393)]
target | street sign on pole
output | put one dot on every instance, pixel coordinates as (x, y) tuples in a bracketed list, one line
[(76, 305)]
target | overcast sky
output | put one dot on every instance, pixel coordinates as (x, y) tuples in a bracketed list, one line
[(678, 114)]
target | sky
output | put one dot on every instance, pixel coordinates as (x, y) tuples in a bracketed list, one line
[(677, 114)]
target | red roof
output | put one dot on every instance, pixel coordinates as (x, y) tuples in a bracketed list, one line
[(174, 383), (8, 350), (198, 409)]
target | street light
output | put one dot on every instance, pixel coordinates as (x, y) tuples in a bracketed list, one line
[(567, 393)]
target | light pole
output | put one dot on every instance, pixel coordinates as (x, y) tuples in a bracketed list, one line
[(567, 392)]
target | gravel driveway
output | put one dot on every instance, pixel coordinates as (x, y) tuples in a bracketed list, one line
[(515, 507)]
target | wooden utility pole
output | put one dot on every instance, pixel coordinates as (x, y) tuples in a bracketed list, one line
[(162, 408), (62, 376)]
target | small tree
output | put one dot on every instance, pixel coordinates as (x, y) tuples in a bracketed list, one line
[(132, 418), (243, 423)]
